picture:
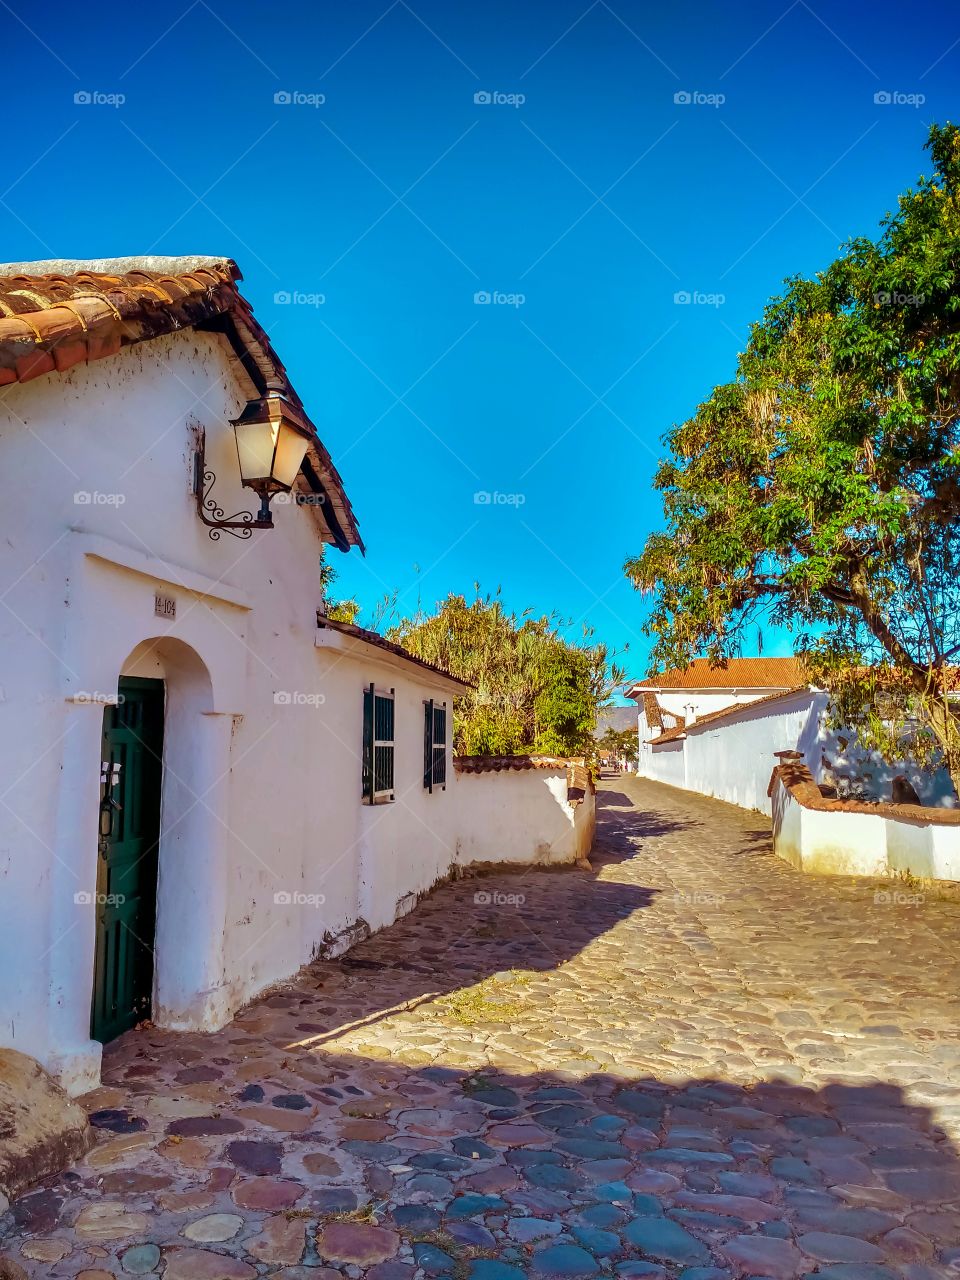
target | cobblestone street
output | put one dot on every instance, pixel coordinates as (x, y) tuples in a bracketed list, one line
[(691, 1060)]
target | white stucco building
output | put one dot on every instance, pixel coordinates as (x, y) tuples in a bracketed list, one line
[(205, 782), (671, 701)]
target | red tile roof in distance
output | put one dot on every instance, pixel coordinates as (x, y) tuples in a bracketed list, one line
[(56, 314), (736, 673)]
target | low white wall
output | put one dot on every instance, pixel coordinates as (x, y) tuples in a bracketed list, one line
[(521, 816), (846, 838)]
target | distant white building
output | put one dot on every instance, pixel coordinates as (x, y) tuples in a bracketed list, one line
[(671, 701), (718, 731)]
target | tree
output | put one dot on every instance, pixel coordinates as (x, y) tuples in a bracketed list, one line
[(820, 489), (623, 744), (535, 691)]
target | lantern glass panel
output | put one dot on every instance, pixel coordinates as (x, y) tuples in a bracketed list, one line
[(255, 448), (291, 447)]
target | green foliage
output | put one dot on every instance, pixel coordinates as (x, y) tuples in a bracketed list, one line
[(564, 710), (338, 610), (343, 610), (623, 744), (535, 692), (820, 489)]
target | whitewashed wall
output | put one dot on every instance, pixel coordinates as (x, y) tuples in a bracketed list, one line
[(731, 760), (521, 816), (668, 763), (692, 703), (654, 762), (848, 839), (266, 851)]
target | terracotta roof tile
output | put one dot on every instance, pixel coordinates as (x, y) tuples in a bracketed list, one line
[(651, 709), (504, 764), (580, 782), (56, 314), (735, 673), (799, 781), (388, 646)]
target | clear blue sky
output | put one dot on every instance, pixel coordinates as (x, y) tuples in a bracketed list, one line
[(400, 197)]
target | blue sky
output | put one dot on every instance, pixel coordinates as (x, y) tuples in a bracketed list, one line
[(375, 167)]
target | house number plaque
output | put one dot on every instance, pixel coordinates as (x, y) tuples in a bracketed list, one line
[(164, 606)]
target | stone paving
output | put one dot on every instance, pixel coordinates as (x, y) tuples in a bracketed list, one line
[(690, 1062)]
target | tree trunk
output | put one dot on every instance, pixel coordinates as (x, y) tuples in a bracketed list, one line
[(945, 723)]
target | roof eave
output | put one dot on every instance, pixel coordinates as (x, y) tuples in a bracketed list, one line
[(356, 642), (51, 318)]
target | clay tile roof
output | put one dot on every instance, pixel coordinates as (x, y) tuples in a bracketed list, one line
[(794, 775), (651, 709), (56, 314), (579, 780), (735, 673), (504, 764), (712, 716), (388, 646)]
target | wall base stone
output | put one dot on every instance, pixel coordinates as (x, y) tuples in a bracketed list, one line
[(41, 1129)]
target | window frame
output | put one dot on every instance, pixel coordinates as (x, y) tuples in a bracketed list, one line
[(435, 745), (371, 793)]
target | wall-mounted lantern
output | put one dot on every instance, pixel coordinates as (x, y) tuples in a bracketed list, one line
[(271, 444)]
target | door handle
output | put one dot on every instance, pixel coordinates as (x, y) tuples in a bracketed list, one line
[(109, 779)]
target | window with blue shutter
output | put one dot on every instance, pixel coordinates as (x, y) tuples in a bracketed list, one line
[(434, 745), (378, 745)]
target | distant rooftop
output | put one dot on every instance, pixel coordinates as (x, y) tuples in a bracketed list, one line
[(735, 673)]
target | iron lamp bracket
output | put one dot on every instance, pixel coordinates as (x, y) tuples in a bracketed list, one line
[(242, 523)]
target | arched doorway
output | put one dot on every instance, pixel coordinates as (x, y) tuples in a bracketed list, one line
[(159, 759)]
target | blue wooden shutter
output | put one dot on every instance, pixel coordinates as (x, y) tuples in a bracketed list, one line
[(378, 745), (368, 697), (434, 745)]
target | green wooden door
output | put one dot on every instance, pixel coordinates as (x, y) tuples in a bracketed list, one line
[(126, 906)]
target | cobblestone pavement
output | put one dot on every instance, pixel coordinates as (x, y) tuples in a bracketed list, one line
[(692, 1062)]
